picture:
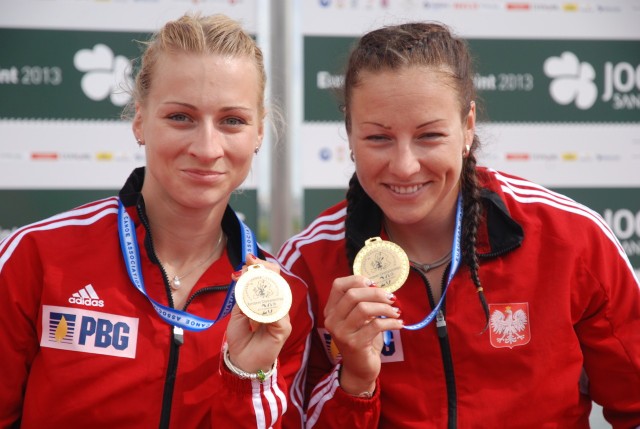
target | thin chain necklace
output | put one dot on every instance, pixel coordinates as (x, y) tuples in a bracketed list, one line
[(175, 281), (425, 268)]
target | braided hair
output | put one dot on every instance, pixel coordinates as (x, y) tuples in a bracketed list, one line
[(430, 45)]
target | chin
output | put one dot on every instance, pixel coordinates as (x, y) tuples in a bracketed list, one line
[(402, 218)]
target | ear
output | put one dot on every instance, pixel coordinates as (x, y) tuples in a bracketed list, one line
[(136, 125), (261, 129), (470, 125)]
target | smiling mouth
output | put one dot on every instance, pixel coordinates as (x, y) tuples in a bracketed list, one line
[(203, 173), (405, 189)]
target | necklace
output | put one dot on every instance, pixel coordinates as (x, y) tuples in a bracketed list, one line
[(175, 282), (435, 264), (425, 268)]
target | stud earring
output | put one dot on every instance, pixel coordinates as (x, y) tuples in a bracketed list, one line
[(140, 142), (466, 151), (256, 150)]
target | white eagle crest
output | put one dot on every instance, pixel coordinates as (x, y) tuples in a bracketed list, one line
[(509, 326)]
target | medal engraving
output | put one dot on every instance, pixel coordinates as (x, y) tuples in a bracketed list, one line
[(383, 262), (263, 295)]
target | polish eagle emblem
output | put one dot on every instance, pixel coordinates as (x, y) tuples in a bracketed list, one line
[(509, 325)]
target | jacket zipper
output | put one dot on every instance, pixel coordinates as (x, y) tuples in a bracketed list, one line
[(176, 334), (445, 350), (174, 354)]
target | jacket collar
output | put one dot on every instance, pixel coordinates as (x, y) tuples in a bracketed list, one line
[(498, 234), (131, 195)]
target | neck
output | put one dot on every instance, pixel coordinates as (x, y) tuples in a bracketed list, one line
[(181, 235), (425, 244)]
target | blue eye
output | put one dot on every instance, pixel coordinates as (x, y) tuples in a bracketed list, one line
[(234, 121), (179, 117)]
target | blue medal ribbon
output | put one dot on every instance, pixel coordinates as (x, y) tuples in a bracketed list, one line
[(456, 257), (175, 317)]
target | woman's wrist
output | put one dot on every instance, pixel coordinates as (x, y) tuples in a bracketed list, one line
[(259, 375), (355, 386)]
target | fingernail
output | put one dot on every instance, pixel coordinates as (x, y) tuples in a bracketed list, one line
[(250, 256), (237, 273), (397, 310), (368, 283), (391, 297)]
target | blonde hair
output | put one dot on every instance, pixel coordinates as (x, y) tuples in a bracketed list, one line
[(213, 34)]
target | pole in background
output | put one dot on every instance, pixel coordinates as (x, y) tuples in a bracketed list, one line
[(280, 216)]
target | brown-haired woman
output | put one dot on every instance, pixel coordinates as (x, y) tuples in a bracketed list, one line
[(542, 308)]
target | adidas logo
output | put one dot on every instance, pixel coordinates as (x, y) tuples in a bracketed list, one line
[(87, 296)]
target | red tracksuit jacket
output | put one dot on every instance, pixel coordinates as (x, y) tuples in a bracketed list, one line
[(565, 323), (113, 363)]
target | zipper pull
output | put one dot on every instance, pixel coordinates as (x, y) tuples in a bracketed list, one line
[(178, 335), (441, 324)]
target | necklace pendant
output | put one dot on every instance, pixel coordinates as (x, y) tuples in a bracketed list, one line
[(176, 282), (426, 267)]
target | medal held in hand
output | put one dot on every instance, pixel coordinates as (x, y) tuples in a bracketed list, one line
[(262, 294), (383, 262)]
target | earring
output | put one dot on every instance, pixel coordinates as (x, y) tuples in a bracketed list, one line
[(352, 156), (256, 150), (140, 142), (466, 151)]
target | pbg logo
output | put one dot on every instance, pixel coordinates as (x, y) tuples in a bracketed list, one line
[(574, 81), (88, 331)]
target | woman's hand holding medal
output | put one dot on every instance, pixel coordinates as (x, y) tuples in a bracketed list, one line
[(357, 314), (259, 323)]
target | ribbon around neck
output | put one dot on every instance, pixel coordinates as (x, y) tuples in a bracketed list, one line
[(456, 257), (175, 317)]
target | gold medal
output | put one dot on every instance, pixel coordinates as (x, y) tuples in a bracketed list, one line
[(262, 294), (382, 262)]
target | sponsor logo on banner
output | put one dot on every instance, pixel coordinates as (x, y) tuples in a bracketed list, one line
[(625, 224), (620, 208), (518, 6), (358, 4), (509, 325), (573, 81), (80, 330), (105, 74), (44, 156)]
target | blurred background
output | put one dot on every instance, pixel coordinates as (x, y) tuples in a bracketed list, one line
[(559, 82)]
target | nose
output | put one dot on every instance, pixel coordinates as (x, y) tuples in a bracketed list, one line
[(404, 161), (208, 143)]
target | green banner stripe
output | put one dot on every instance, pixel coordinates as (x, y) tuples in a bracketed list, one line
[(518, 80), (55, 74)]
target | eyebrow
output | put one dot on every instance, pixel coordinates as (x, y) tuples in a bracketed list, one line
[(386, 127), (224, 109)]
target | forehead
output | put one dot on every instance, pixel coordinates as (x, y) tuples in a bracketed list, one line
[(195, 74), (423, 83), (186, 64), (409, 74)]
